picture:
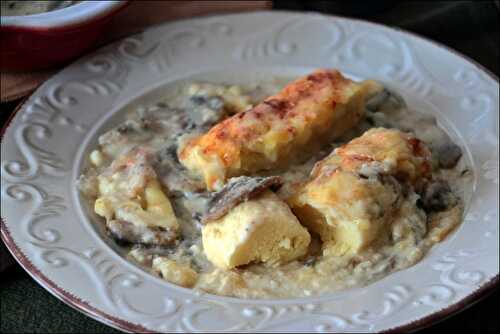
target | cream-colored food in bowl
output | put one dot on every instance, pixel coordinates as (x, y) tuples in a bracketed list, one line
[(277, 189), (26, 7)]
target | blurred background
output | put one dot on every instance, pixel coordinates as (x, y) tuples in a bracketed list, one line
[(469, 27)]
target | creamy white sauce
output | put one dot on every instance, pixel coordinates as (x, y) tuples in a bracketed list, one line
[(163, 124)]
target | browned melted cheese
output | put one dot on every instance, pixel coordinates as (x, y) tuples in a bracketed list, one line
[(307, 113)]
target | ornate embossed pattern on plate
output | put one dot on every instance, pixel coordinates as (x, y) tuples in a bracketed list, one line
[(43, 147)]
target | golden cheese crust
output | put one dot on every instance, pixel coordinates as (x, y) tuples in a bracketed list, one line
[(307, 113), (406, 157), (353, 192), (346, 211)]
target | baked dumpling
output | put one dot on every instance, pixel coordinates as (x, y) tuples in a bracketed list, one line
[(263, 229), (288, 126), (348, 212), (389, 151), (354, 193), (133, 202)]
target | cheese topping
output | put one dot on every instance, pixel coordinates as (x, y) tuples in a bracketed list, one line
[(306, 113)]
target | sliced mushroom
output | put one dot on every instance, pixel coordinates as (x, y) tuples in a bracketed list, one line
[(236, 191), (126, 232), (448, 155), (437, 196), (401, 189), (205, 111), (170, 171), (383, 100)]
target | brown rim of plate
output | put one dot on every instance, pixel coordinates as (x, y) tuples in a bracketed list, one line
[(483, 291), (63, 295)]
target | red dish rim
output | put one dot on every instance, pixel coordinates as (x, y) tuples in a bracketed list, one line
[(483, 291)]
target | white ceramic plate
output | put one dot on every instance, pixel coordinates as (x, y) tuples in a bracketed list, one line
[(48, 229)]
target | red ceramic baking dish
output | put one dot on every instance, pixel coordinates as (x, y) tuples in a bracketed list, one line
[(43, 40)]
